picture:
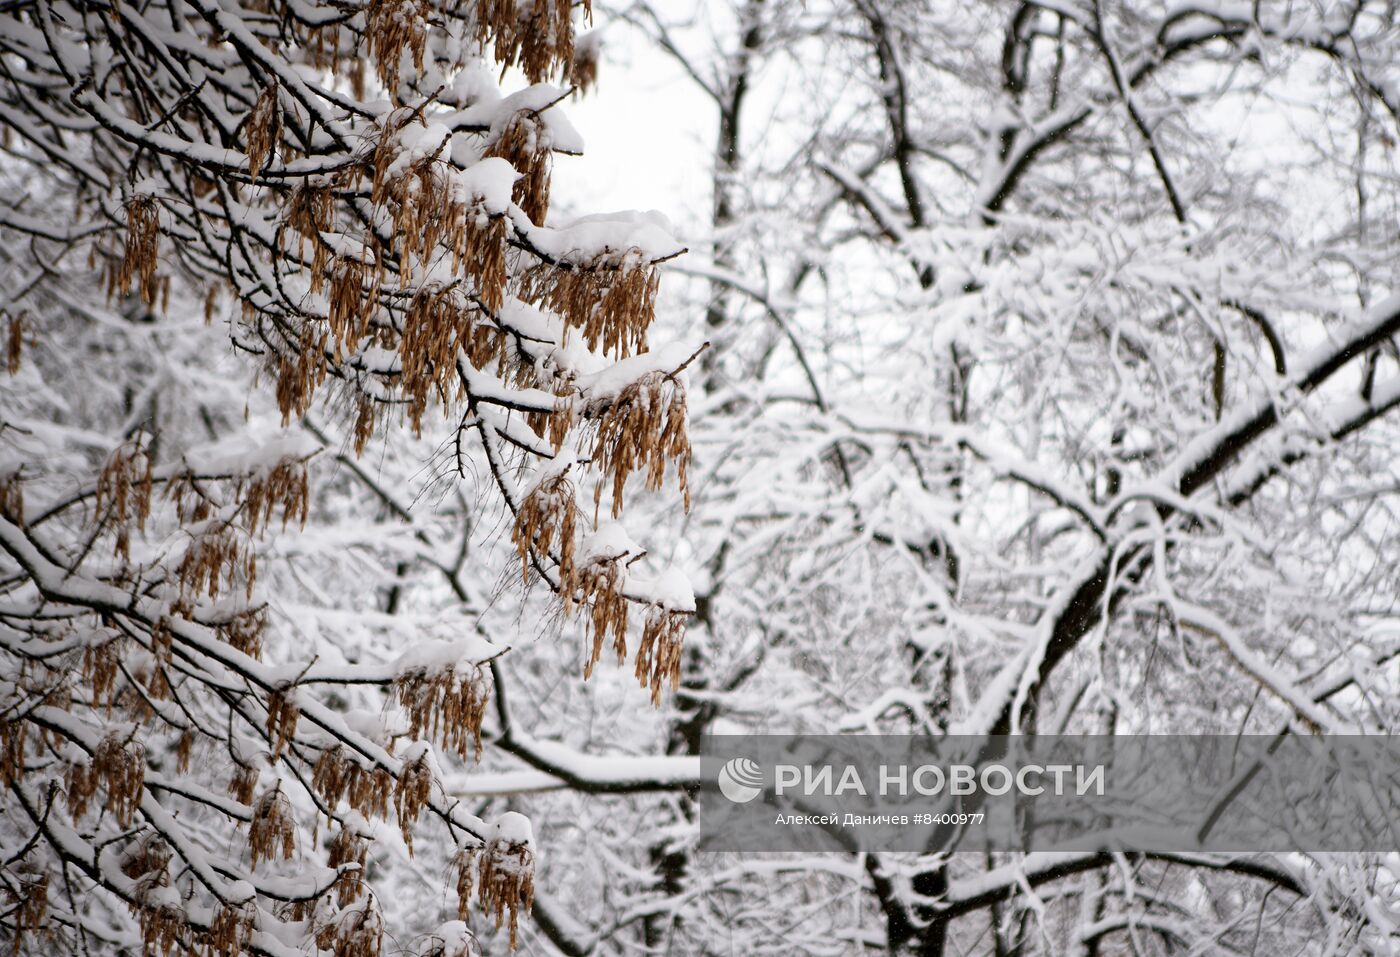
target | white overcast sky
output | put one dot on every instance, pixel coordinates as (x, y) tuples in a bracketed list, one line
[(646, 135)]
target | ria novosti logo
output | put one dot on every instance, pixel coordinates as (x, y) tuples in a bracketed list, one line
[(740, 780)]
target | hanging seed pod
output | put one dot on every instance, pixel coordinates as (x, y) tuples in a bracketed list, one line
[(14, 343), (142, 242), (124, 494), (643, 427), (117, 765), (145, 860), (310, 211), (547, 39), (282, 717), (229, 931), (284, 486), (413, 793), (354, 290), (273, 834), (523, 145), (583, 69), (447, 705), (12, 747), (338, 775), (610, 300), (330, 776), (162, 921), (184, 750), (244, 631), (464, 863), (263, 130), (393, 26), (12, 497), (506, 872), (547, 517), (482, 250), (536, 35), (436, 326), (31, 900), (218, 557), (353, 931), (99, 669), (121, 766), (243, 783), (600, 590), (348, 847), (659, 654)]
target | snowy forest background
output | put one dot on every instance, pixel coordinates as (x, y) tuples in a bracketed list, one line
[(991, 367)]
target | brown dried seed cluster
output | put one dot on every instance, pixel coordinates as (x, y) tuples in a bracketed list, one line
[(322, 48), (548, 517), (644, 427), (537, 35), (30, 907), (553, 426), (150, 678), (12, 497), (300, 372), (437, 328), (162, 637), (485, 257), (336, 775), (428, 214), (273, 834), (146, 862), (31, 902), (354, 291), (348, 847), (243, 783), (600, 590), (263, 130), (366, 419), (13, 736), (659, 654), (146, 859), (161, 926), (413, 793), (284, 486), (545, 376), (310, 211), (124, 494), (117, 765), (140, 256), (611, 300), (219, 556), (14, 343), (192, 503), (583, 70), (184, 750), (229, 931), (506, 881), (244, 631), (523, 145), (354, 931), (464, 862), (211, 302), (393, 26), (282, 717), (100, 661), (448, 705)]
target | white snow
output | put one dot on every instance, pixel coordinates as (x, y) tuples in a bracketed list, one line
[(608, 542), (433, 655)]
